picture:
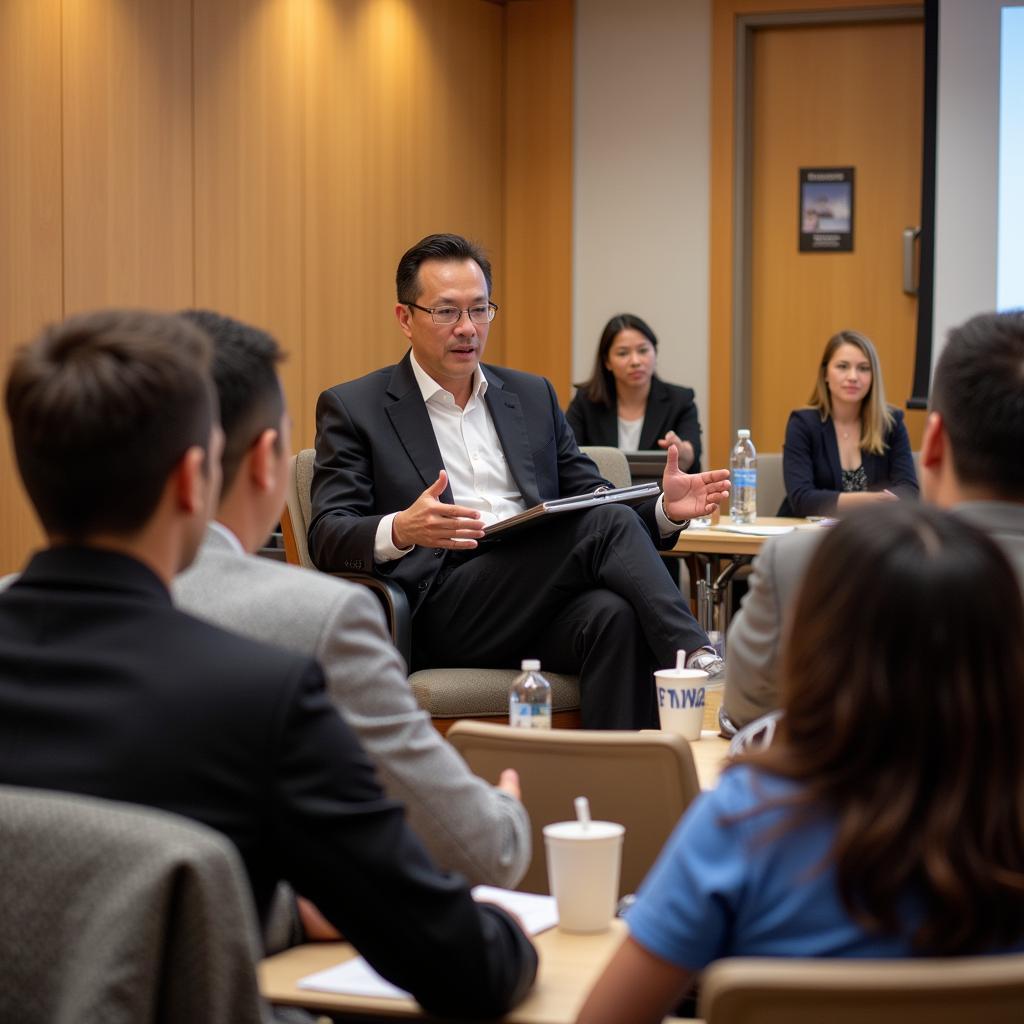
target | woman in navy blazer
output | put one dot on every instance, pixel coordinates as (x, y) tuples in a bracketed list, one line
[(849, 447), (625, 405)]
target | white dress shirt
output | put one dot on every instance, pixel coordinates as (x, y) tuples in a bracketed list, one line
[(472, 455), (229, 535)]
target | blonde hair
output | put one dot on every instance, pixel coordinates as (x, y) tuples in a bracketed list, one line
[(876, 418)]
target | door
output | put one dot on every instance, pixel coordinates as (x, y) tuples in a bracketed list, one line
[(831, 95)]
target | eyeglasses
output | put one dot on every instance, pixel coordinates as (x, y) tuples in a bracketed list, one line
[(446, 315)]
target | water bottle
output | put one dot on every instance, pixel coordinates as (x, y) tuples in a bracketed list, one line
[(529, 699), (743, 473)]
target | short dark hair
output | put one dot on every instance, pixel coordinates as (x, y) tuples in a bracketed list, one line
[(244, 372), (102, 408), (897, 724), (448, 249), (599, 387), (978, 389)]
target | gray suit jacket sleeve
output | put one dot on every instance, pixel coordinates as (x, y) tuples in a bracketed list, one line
[(467, 825), (754, 639)]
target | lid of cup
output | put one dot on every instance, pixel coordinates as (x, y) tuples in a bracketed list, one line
[(577, 830), (691, 675)]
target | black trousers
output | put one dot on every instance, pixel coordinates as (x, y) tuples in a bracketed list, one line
[(585, 592)]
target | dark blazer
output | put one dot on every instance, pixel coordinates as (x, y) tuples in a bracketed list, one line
[(376, 453), (669, 407), (814, 477), (107, 690)]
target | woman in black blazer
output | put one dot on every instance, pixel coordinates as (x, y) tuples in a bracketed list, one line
[(849, 447), (625, 405)]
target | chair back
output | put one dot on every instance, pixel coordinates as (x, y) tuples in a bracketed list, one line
[(295, 518), (611, 463), (752, 990), (121, 914), (642, 780), (771, 488)]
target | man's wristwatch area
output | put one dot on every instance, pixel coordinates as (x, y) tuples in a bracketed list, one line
[(675, 522)]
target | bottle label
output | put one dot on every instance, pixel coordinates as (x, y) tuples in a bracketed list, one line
[(744, 478), (529, 716)]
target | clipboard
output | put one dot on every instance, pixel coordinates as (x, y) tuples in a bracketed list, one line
[(613, 496)]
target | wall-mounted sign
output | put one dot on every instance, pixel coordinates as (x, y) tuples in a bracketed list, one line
[(826, 209)]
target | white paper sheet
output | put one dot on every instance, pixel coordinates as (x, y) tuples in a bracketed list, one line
[(352, 978), (752, 529), (538, 913), (357, 978)]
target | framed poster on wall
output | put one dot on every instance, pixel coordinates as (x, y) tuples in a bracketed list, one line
[(826, 209)]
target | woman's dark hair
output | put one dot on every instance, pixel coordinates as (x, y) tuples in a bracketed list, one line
[(904, 695), (600, 385)]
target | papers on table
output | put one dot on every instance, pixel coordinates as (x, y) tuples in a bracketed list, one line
[(357, 978), (752, 529), (352, 978), (538, 913)]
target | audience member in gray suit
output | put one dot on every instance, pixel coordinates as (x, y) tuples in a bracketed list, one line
[(971, 462), (469, 826)]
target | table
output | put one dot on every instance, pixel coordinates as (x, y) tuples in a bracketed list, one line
[(709, 546), (715, 541), (708, 754), (569, 966)]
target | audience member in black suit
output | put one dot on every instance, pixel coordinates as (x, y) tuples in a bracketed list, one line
[(414, 460), (624, 395), (106, 689), (849, 448)]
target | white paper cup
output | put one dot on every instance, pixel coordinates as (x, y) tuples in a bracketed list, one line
[(583, 870), (681, 694)]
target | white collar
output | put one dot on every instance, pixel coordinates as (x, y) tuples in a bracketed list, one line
[(429, 387), (228, 535)]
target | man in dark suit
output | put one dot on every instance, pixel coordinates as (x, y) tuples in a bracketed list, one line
[(414, 460), (106, 689)]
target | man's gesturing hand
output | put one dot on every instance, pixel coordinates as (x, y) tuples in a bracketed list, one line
[(690, 495), (433, 524)]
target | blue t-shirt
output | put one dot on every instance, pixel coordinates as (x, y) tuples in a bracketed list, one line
[(731, 888)]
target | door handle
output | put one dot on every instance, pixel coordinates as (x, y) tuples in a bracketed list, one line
[(910, 237)]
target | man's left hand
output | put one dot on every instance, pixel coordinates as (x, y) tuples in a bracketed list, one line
[(688, 495)]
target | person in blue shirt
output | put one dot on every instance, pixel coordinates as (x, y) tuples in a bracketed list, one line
[(882, 821), (849, 447)]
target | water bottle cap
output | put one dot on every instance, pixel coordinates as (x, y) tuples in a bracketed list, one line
[(743, 434), (530, 665)]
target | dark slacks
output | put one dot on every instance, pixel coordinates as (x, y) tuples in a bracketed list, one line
[(585, 592)]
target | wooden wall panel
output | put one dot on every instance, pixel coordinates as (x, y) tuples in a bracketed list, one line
[(404, 139), (30, 221), (538, 190), (249, 59), (127, 109), (272, 159)]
